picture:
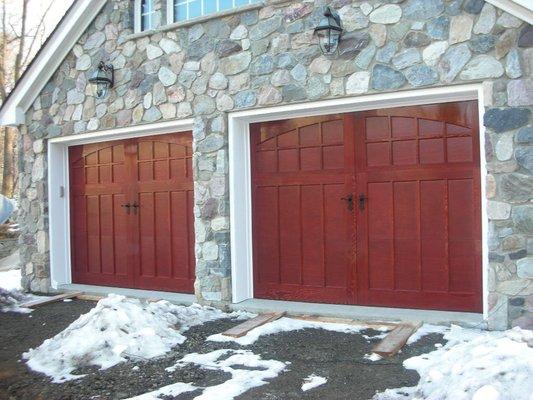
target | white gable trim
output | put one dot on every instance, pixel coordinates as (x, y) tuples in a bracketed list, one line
[(48, 60), (522, 9)]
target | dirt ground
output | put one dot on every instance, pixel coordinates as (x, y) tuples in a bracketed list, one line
[(336, 356)]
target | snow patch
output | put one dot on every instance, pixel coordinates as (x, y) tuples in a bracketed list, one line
[(116, 329), (475, 365), (288, 324), (425, 330), (10, 280), (254, 374), (372, 357), (313, 381), (11, 296)]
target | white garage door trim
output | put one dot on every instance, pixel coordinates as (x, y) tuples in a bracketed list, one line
[(240, 169), (58, 186)]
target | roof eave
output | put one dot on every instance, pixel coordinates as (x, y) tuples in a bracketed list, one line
[(47, 61), (522, 9)]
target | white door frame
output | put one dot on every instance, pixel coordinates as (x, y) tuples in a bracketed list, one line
[(58, 186), (240, 169)]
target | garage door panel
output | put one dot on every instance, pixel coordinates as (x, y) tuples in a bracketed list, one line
[(135, 246), (266, 231), (290, 234), (313, 235)]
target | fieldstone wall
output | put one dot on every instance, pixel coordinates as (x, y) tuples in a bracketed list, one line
[(269, 56)]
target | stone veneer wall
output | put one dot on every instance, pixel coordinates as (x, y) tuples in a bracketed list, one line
[(269, 56)]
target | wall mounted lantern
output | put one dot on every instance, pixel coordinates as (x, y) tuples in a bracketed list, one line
[(329, 32), (103, 78)]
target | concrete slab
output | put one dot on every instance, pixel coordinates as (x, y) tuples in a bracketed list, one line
[(177, 298), (363, 313)]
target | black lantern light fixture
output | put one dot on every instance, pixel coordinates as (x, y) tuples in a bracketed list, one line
[(103, 79), (329, 32)]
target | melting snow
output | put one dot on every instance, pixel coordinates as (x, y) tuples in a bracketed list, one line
[(116, 329), (254, 374), (11, 295), (475, 365), (288, 324), (372, 357), (10, 280), (313, 381)]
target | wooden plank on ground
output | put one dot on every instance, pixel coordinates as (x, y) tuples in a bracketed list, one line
[(47, 300), (89, 297), (247, 326), (396, 339)]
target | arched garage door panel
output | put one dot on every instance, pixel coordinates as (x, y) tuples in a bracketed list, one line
[(411, 234)]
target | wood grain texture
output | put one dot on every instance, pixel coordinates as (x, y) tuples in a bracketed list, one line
[(48, 300), (247, 326), (395, 340)]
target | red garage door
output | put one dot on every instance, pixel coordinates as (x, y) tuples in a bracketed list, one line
[(131, 213), (371, 208)]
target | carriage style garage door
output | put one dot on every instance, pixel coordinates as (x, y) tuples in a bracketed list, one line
[(372, 208), (131, 213)]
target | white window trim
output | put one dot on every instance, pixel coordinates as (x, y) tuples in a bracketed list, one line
[(58, 187), (137, 17), (240, 168)]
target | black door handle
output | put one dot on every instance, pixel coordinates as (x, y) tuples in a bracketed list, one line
[(127, 207), (349, 201), (362, 201), (135, 207)]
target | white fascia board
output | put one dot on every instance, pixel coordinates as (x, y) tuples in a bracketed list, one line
[(522, 9), (48, 61)]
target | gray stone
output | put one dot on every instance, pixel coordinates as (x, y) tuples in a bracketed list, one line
[(299, 73), (166, 76), (497, 210), (249, 17), (384, 55), (320, 65), (352, 44), (286, 60), (211, 143), (200, 48), (153, 52), (524, 157), (473, 6), (460, 29), (526, 36), (246, 98), (240, 32), (228, 47), (421, 75), (524, 268), (398, 31), (293, 93), (262, 65), (482, 43), (236, 63), (507, 20), (486, 19), (433, 52), (186, 78), (454, 59), (438, 28), (94, 41), (416, 39), (386, 14), (152, 114), (280, 77), (525, 135), (422, 9), (520, 92), (513, 68), (218, 81), (352, 18), (265, 28), (316, 87), (482, 66), (269, 96), (504, 147), (83, 63), (523, 218), (506, 119), (386, 78), (169, 46), (364, 58), (74, 96), (203, 105), (516, 187), (358, 83), (406, 58), (505, 42), (378, 33)]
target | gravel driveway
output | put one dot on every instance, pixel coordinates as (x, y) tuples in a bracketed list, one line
[(336, 356)]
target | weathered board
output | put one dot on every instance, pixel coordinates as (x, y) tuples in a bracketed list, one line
[(347, 321), (40, 302), (395, 340), (247, 326)]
